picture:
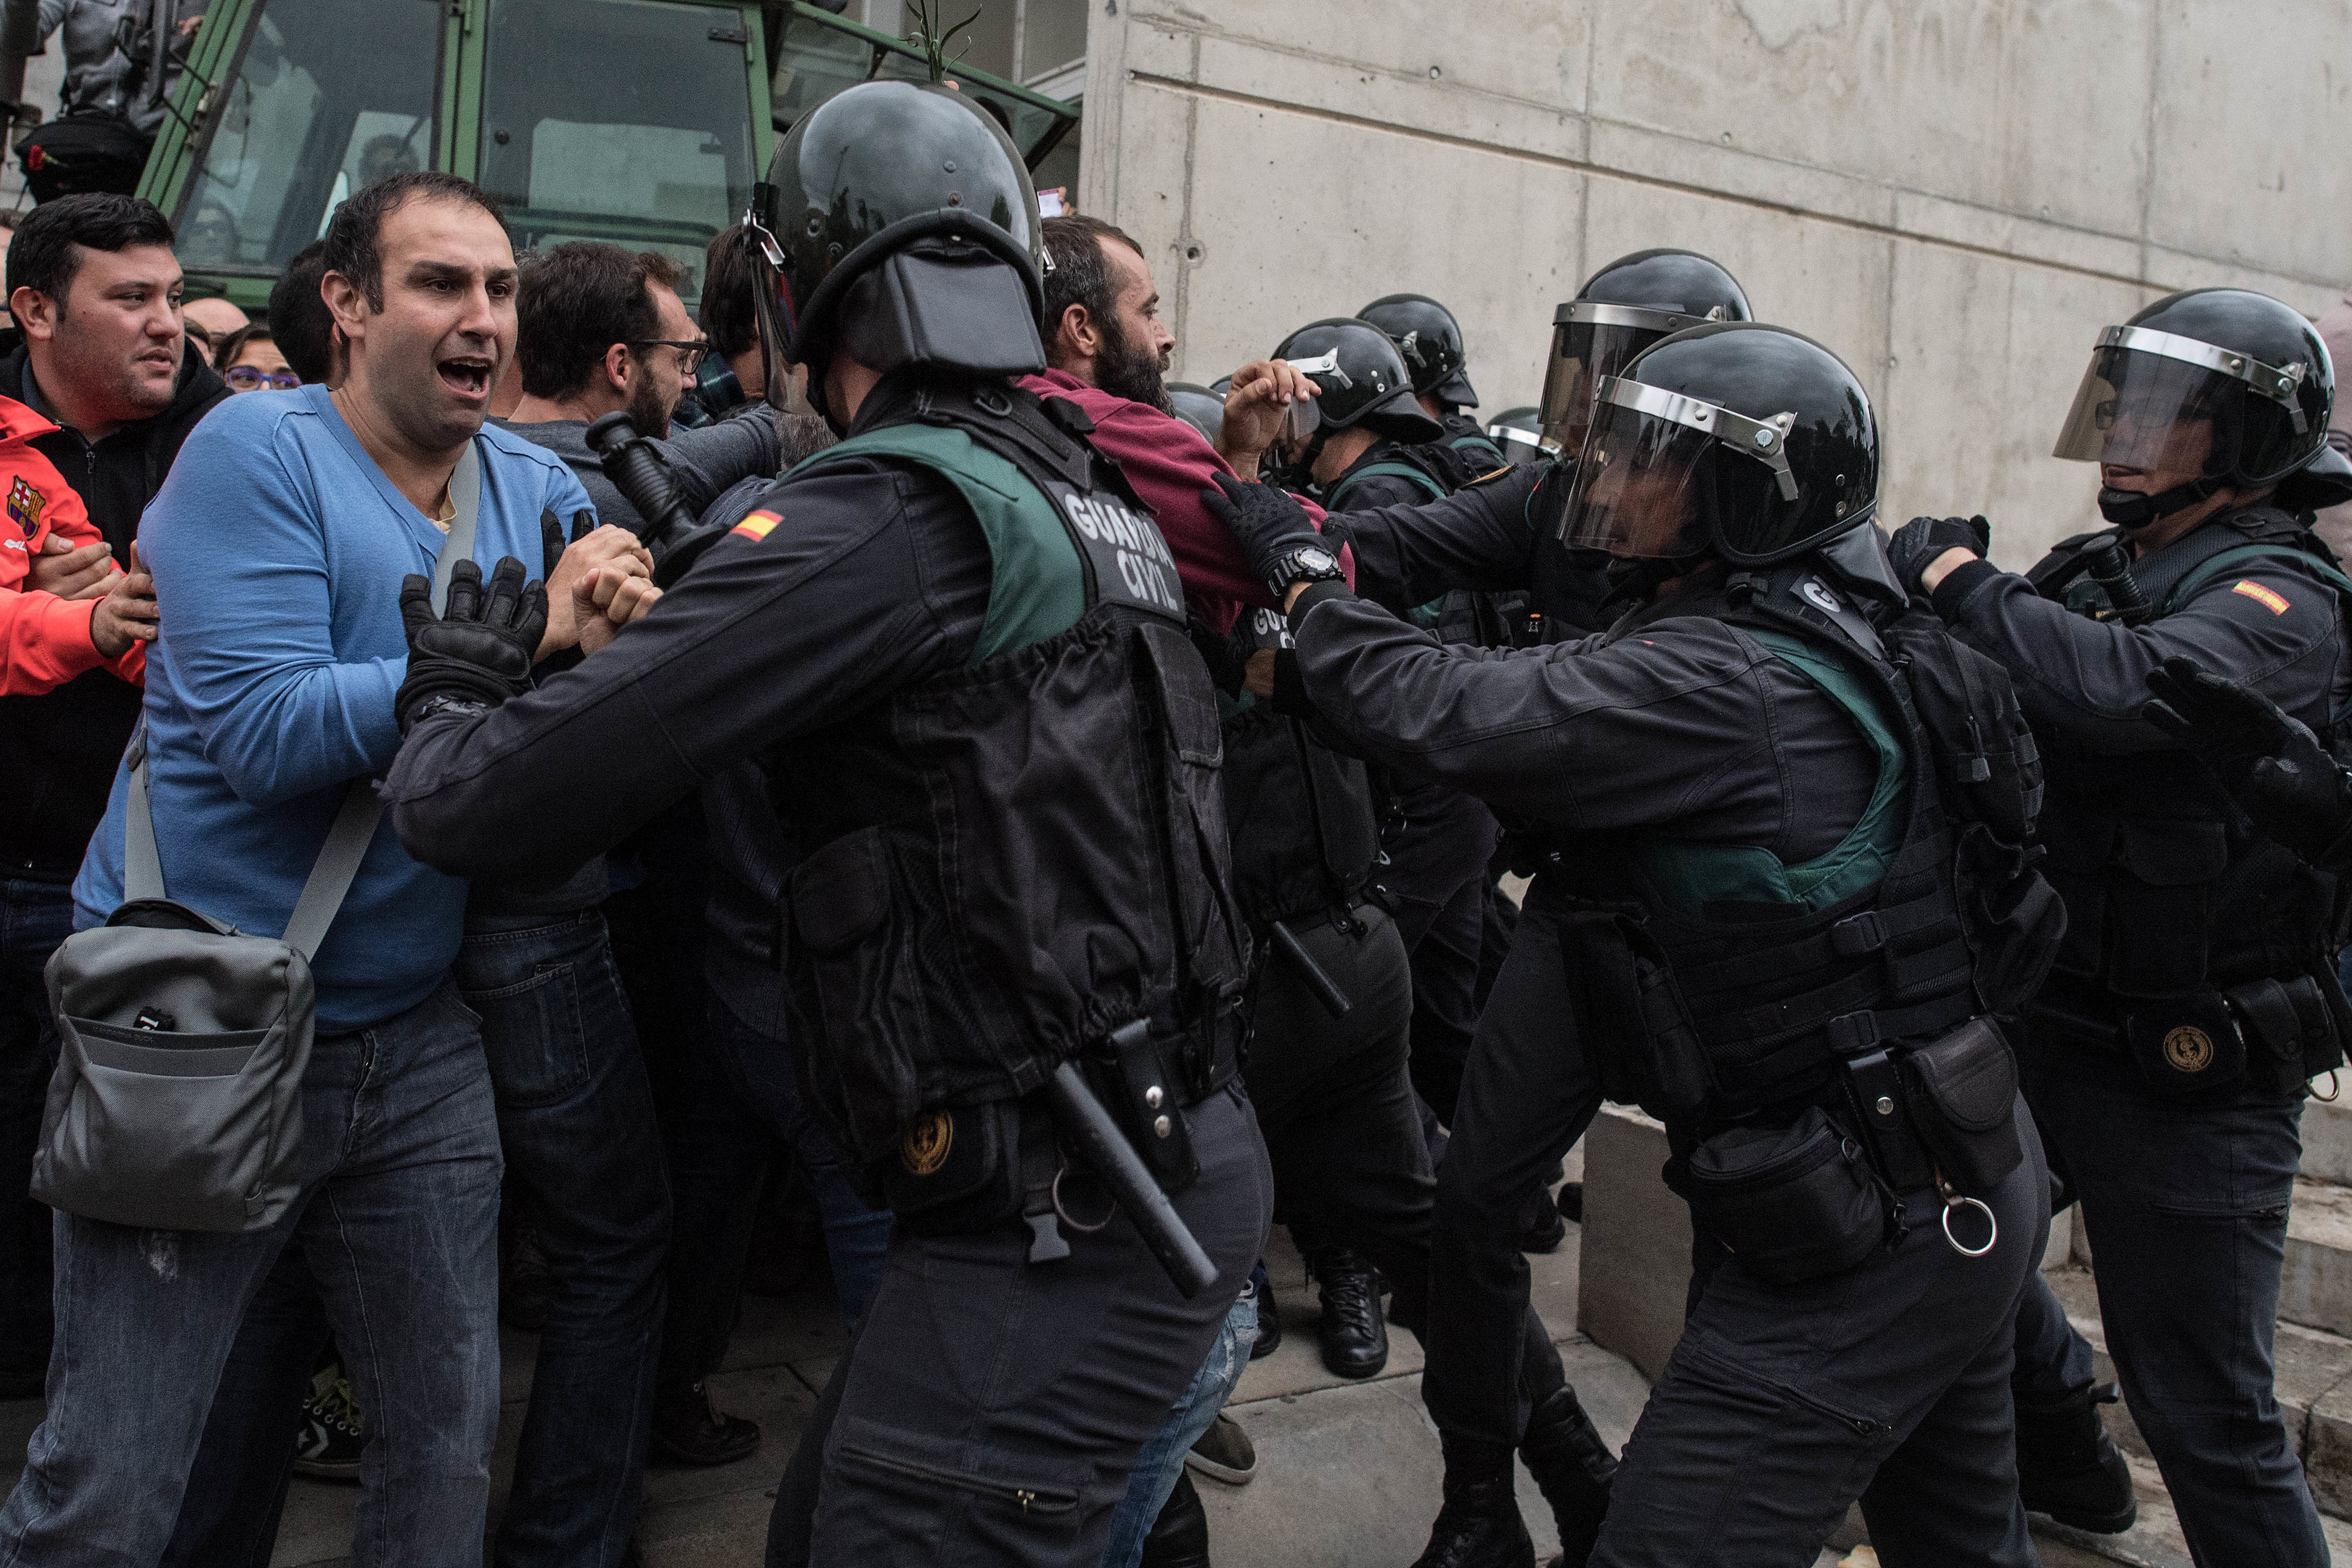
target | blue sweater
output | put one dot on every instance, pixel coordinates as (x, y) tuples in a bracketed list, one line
[(278, 548)]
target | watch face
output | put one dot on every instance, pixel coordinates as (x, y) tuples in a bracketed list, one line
[(1313, 559)]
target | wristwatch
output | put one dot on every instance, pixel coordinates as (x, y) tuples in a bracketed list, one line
[(1307, 563)]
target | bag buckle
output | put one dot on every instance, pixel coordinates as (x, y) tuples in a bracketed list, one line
[(1851, 1033)]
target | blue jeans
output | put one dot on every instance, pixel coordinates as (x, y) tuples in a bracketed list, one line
[(35, 917), (2185, 1206), (577, 1123), (738, 1096), (398, 1222), (1162, 1458)]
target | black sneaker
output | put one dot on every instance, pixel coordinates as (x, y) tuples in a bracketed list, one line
[(1269, 1316), (689, 1430), (1353, 1332), (2067, 1466), (327, 1448), (1225, 1453)]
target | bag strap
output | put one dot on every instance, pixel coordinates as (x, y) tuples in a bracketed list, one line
[(356, 823)]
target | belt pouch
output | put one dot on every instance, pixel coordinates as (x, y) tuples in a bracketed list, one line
[(1792, 1203), (1962, 1092), (1140, 1083), (2286, 1024), (2186, 1045), (954, 1170)]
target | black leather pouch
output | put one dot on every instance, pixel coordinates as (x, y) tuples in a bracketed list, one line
[(2287, 1026), (2186, 1046), (1139, 1082), (1793, 1203), (1962, 1095), (954, 1170)]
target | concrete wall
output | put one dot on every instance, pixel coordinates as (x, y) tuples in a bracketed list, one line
[(1955, 195)]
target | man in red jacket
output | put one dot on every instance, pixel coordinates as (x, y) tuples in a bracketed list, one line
[(45, 640)]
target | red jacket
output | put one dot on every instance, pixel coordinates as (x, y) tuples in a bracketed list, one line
[(1170, 464), (44, 640)]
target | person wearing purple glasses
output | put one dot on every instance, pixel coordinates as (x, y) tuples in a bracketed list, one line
[(248, 361)]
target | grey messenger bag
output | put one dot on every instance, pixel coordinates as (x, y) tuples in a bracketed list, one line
[(177, 1099)]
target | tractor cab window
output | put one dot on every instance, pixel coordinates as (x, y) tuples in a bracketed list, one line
[(581, 139), (328, 98)]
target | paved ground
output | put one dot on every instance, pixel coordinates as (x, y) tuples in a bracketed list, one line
[(1348, 1472)]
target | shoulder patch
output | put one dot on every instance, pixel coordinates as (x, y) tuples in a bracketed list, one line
[(2268, 599), (1488, 479), (756, 525)]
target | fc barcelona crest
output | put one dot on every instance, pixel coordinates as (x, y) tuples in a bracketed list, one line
[(24, 504)]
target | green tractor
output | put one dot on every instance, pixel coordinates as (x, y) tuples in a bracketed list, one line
[(644, 122)]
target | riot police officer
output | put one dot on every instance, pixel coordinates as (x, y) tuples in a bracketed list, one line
[(2168, 1055), (1505, 536), (964, 663), (1430, 340), (1748, 778)]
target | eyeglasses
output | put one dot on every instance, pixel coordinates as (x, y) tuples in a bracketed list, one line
[(245, 378), (689, 354)]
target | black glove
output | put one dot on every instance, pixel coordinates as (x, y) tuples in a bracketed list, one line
[(2273, 766), (480, 649), (1268, 524), (1917, 544)]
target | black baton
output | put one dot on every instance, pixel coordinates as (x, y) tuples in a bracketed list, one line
[(1326, 990), (1085, 1122)]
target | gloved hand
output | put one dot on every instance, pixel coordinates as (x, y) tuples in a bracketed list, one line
[(2273, 766), (480, 649), (1268, 524), (1920, 541)]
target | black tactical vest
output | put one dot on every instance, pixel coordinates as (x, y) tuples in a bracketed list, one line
[(1305, 832), (1706, 999), (1011, 860), (2168, 892)]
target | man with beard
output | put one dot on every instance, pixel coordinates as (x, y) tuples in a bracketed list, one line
[(603, 330)]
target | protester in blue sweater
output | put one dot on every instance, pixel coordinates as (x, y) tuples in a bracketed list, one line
[(278, 546)]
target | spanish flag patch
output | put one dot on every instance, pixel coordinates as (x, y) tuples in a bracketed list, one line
[(757, 525), (2268, 599)]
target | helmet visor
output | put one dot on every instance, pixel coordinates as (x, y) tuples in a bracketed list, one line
[(2166, 404), (1588, 341), (1658, 467)]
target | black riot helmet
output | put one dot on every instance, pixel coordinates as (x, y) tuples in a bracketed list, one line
[(903, 228), (1429, 340), (1362, 380), (1622, 309), (1198, 407), (1736, 439), (2224, 385), (1518, 432)]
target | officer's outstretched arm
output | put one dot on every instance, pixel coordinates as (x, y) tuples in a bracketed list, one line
[(1482, 536), (2269, 627), (2273, 766)]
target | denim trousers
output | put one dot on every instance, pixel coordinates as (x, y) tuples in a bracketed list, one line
[(1162, 1460), (398, 1223), (737, 1099), (2186, 1205), (576, 1120), (35, 917)]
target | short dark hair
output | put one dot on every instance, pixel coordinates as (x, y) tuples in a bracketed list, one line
[(46, 253), (299, 323), (1080, 275), (728, 305), (224, 354), (578, 301), (355, 233)]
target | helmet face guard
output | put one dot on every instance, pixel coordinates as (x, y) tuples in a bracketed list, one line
[(1590, 343), (2162, 403), (1659, 469)]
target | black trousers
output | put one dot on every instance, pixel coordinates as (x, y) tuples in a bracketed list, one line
[(990, 1410), (1784, 1405), (1439, 845), (1335, 1102)]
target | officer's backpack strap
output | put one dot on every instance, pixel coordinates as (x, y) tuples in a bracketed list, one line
[(1481, 452), (2051, 575), (2233, 557)]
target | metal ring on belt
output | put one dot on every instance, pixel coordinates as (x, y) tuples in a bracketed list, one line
[(1956, 1200)]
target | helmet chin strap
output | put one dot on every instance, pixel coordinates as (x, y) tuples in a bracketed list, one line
[(2132, 509), (1636, 579)]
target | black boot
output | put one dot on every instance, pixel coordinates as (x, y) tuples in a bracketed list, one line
[(2067, 1466), (1573, 1467), (1269, 1316), (687, 1429), (1479, 1527), (1354, 1335), (1179, 1536)]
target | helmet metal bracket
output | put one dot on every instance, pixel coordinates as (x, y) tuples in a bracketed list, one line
[(1764, 441)]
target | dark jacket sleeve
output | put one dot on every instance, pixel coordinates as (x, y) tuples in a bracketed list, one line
[(2085, 681), (875, 582), (1478, 537), (1684, 726)]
